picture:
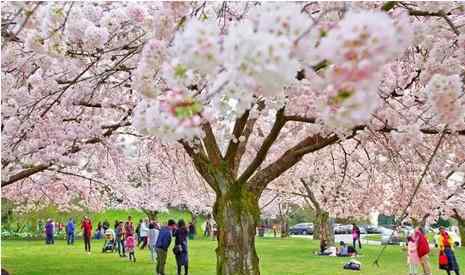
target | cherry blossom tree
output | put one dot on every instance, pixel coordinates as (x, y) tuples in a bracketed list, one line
[(246, 89), (279, 205), (161, 177)]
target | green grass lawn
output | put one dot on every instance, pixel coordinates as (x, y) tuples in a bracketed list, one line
[(277, 256)]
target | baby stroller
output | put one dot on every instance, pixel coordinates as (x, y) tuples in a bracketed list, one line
[(109, 244)]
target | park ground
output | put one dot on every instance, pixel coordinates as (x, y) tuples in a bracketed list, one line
[(277, 257)]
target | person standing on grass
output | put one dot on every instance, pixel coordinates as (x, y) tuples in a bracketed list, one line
[(356, 236), (162, 245), (129, 227), (70, 232), (131, 247), (413, 259), (144, 230), (119, 236), (105, 225), (138, 232), (86, 227), (152, 238), (191, 230), (446, 247), (98, 231), (49, 231), (423, 250), (208, 227), (180, 247)]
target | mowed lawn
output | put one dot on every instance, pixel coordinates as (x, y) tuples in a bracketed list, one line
[(277, 256)]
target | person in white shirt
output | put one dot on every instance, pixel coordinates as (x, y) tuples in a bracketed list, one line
[(144, 230), (152, 238)]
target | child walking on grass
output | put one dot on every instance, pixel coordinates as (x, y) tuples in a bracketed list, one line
[(412, 256), (130, 247)]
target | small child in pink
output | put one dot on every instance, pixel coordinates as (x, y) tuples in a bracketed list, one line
[(412, 258), (130, 247)]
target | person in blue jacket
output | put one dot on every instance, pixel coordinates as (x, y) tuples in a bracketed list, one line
[(163, 243), (70, 231)]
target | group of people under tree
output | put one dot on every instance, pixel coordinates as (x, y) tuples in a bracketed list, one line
[(211, 229), (417, 247), (148, 233), (343, 250), (418, 250)]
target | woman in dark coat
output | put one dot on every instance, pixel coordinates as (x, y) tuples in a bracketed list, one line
[(180, 247)]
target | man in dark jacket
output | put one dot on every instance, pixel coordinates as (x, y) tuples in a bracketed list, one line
[(105, 225), (163, 243), (49, 231)]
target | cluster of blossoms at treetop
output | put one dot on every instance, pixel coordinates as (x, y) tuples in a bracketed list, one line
[(238, 94)]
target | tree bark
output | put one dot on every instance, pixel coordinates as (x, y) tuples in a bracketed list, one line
[(322, 228), (316, 225), (284, 228), (236, 213), (321, 225)]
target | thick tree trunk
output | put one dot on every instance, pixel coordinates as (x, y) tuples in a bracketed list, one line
[(322, 227), (236, 213), (316, 226)]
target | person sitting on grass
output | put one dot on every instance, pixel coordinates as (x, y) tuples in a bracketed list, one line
[(345, 251), (342, 250), (326, 250)]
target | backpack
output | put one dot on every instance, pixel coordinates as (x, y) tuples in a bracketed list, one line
[(422, 246), (353, 265)]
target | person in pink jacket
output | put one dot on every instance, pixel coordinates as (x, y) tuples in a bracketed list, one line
[(412, 256), (130, 247)]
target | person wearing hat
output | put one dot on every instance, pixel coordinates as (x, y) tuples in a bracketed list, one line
[(446, 248)]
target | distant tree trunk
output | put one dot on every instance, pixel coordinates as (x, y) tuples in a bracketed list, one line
[(193, 217), (321, 223), (284, 228), (415, 222), (423, 221), (283, 219), (322, 227), (151, 214)]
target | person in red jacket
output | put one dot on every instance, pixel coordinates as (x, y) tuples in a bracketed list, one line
[(86, 227), (423, 250)]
